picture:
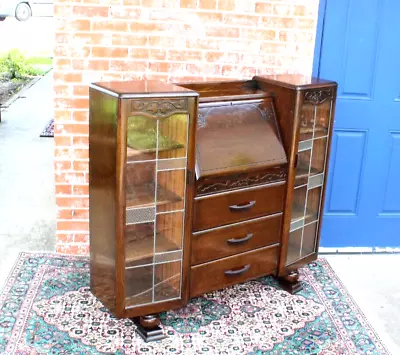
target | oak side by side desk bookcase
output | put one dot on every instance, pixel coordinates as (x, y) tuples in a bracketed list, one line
[(198, 186)]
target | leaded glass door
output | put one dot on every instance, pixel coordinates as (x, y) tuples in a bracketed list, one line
[(315, 120), (155, 185)]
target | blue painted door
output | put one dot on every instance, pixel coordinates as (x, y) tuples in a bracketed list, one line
[(361, 51)]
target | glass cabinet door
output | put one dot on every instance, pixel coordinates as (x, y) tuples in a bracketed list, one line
[(155, 202), (315, 120)]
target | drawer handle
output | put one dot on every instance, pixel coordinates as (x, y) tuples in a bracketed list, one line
[(237, 272), (235, 208), (241, 240)]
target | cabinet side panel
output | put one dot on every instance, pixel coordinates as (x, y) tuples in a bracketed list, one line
[(102, 191), (190, 183)]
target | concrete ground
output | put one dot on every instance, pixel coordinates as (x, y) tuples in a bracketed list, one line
[(27, 214), (27, 201), (374, 284)]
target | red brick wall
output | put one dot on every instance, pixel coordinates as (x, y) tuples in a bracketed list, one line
[(165, 39)]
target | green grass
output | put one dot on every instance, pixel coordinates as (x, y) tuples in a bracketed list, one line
[(40, 60), (18, 66)]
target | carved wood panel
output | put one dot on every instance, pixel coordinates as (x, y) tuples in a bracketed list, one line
[(317, 97), (160, 108), (231, 182)]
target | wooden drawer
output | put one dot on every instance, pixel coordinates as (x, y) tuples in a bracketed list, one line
[(236, 238), (230, 207), (232, 270)]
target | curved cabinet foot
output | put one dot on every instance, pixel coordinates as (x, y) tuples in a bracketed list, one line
[(291, 283), (148, 327)]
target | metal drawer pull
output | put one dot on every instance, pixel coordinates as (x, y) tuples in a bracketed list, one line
[(242, 207), (241, 240), (237, 272)]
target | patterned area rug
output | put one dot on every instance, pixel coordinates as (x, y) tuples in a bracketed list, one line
[(46, 308), (48, 131)]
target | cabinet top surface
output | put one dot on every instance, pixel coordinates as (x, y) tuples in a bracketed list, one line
[(294, 81), (142, 87)]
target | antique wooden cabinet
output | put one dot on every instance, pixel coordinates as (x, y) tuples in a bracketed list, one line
[(198, 186), (305, 110)]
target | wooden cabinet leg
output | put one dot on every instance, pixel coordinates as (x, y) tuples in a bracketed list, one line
[(291, 283), (148, 327)]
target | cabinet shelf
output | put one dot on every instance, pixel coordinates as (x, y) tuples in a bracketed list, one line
[(302, 172), (144, 196), (132, 153), (141, 252), (298, 214), (317, 129)]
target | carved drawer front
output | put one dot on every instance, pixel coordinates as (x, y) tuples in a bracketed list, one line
[(232, 270), (236, 206), (235, 238), (215, 184)]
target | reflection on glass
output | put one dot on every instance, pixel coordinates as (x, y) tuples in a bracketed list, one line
[(322, 119), (169, 232), (299, 201), (139, 244), (141, 138), (167, 281), (294, 246), (140, 184), (139, 285), (318, 155), (302, 167), (170, 190), (309, 236), (313, 199), (307, 122), (172, 136)]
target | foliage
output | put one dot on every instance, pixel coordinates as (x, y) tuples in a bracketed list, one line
[(16, 65)]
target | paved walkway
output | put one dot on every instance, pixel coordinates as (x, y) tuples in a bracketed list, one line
[(27, 202)]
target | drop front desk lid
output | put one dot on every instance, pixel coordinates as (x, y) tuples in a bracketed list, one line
[(237, 129)]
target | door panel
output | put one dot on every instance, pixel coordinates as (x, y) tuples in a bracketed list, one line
[(391, 197), (344, 192), (361, 42), (361, 51)]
